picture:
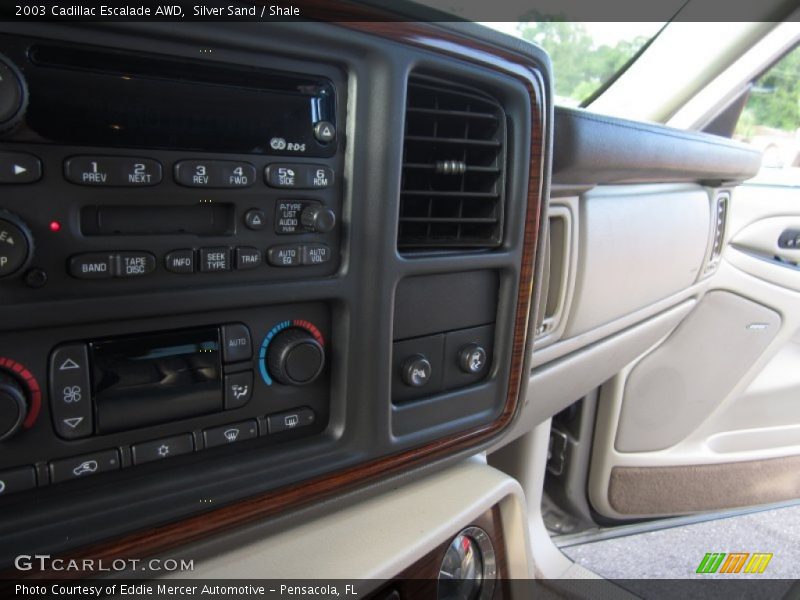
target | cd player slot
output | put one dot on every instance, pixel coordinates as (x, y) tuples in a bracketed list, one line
[(199, 220)]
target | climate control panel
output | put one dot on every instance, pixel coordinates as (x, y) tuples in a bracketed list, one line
[(132, 397)]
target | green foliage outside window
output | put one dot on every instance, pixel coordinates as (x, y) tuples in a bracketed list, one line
[(580, 65)]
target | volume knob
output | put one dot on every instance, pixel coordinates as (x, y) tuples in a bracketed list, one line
[(295, 357), (13, 95), (13, 406)]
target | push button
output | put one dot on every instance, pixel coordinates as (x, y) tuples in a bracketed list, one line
[(298, 176), (287, 216), (238, 389), (324, 131), (213, 260), (316, 254), (247, 258), (215, 173), (91, 266), (292, 419), (236, 345), (16, 167), (17, 480), (285, 256), (180, 261), (255, 219), (84, 466), (70, 392), (118, 171), (229, 434), (160, 449), (135, 264)]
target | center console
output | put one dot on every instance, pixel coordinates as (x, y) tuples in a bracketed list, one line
[(240, 277)]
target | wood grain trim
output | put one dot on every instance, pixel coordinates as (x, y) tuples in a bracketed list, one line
[(153, 542), (420, 580)]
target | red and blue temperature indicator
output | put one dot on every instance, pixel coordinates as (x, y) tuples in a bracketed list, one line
[(300, 324)]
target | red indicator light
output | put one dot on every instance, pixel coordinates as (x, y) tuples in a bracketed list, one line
[(55, 226)]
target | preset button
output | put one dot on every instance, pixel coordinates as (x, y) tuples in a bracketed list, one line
[(215, 173), (120, 171)]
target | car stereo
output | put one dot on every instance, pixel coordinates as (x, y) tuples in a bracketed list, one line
[(160, 183)]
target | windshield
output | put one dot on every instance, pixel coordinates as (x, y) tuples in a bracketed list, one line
[(586, 56)]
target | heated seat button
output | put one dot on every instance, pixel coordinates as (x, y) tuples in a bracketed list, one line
[(291, 419), (215, 173), (16, 167), (117, 171), (17, 480), (180, 261), (229, 434), (135, 264), (416, 371), (70, 392), (247, 258), (160, 449), (215, 259), (472, 359), (236, 343), (84, 466), (238, 389)]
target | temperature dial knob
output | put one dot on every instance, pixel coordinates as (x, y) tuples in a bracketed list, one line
[(13, 405), (295, 357)]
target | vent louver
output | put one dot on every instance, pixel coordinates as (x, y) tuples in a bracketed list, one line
[(453, 168)]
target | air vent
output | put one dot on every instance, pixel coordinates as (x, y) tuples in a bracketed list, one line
[(453, 168)]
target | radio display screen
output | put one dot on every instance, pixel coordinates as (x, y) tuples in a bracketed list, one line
[(116, 99), (149, 379)]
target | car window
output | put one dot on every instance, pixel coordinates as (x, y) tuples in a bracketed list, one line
[(586, 56), (770, 121)]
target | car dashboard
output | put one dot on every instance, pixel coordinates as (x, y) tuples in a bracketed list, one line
[(271, 282)]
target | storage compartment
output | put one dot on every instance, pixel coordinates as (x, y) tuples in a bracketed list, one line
[(638, 245)]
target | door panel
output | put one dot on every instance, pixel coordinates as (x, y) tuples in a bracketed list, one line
[(709, 418)]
